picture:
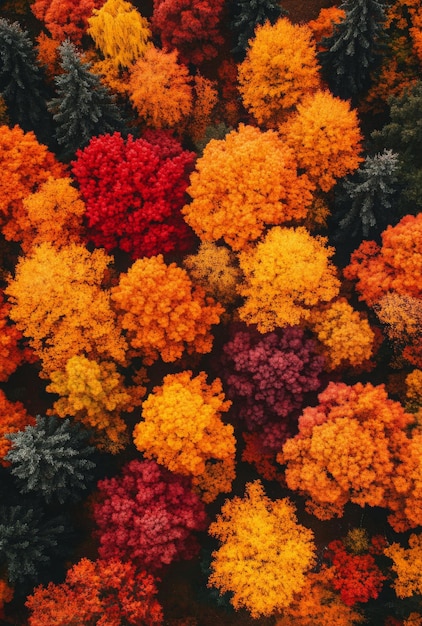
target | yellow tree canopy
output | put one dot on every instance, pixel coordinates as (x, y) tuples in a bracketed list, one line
[(286, 274), (344, 333), (279, 69), (60, 304), (159, 88), (182, 429), (264, 552), (95, 394), (243, 183), (163, 313), (119, 31), (407, 564), (325, 136)]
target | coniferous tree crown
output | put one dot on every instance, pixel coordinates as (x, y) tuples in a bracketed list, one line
[(51, 459)]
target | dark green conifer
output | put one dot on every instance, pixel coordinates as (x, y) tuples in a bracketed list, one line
[(83, 108), (366, 202), (21, 81), (28, 543), (246, 16), (403, 134), (51, 459), (353, 51)]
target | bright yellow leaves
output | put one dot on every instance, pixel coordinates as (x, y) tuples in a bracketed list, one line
[(59, 302), (407, 564), (286, 274), (163, 312), (264, 554), (243, 183), (345, 334), (160, 89), (119, 31), (325, 136), (95, 394), (182, 430), (279, 69)]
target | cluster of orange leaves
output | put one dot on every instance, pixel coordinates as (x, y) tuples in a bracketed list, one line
[(407, 564), (279, 69), (163, 312), (260, 186), (13, 417), (355, 447)]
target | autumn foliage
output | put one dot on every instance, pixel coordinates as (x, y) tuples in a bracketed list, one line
[(13, 417), (60, 302), (182, 429), (65, 20), (347, 449), (25, 165), (407, 566), (134, 190), (148, 515), (163, 312), (279, 69), (325, 136), (394, 266), (160, 89), (243, 183), (192, 27), (264, 553), (100, 592), (119, 31), (286, 274)]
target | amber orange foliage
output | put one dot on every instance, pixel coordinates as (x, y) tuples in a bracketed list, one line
[(348, 449), (163, 313), (205, 98), (48, 55), (243, 183), (52, 214), (6, 595), (159, 88), (66, 19), (102, 593), (393, 266), (279, 69), (264, 552), (286, 274), (13, 417), (318, 605), (325, 136), (182, 429), (61, 304), (323, 25), (24, 165)]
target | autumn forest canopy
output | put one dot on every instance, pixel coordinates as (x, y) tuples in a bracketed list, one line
[(211, 313)]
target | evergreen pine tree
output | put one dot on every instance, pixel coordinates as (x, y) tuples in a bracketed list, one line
[(246, 15), (83, 108), (21, 81), (403, 134), (51, 459), (366, 201), (28, 543), (352, 52)]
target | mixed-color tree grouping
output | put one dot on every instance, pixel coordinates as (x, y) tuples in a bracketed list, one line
[(210, 313)]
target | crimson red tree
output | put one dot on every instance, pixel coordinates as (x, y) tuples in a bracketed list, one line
[(134, 191), (190, 26), (148, 515)]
